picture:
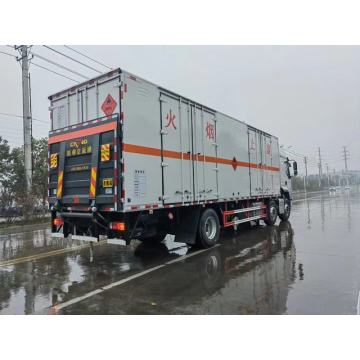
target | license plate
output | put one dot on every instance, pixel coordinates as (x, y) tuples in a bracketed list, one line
[(108, 183)]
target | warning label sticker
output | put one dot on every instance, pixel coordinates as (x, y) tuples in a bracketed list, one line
[(108, 105), (139, 184)]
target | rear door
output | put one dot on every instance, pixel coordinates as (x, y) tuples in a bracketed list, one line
[(204, 154), (255, 159), (275, 163), (176, 150), (267, 176), (83, 167)]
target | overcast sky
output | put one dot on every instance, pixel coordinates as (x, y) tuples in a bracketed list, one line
[(308, 96)]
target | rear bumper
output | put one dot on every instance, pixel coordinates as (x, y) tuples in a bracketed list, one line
[(84, 238), (86, 226)]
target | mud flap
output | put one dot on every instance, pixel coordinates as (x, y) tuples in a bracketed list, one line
[(186, 229)]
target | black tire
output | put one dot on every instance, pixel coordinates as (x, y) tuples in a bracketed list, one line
[(287, 211), (209, 229), (272, 213), (158, 238)]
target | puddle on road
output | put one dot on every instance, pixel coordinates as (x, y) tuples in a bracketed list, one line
[(256, 271)]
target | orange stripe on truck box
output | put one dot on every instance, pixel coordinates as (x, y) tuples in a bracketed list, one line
[(144, 150), (84, 132)]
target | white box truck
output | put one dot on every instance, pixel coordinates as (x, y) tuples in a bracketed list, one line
[(129, 159)]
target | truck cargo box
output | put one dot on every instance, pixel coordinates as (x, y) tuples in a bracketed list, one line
[(121, 144)]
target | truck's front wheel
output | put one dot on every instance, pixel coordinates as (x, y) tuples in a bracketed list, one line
[(209, 229), (287, 210)]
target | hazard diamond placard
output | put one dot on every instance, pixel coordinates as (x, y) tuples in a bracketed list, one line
[(108, 105)]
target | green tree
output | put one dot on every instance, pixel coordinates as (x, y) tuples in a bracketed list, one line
[(12, 176), (7, 195), (4, 159), (40, 168), (27, 200)]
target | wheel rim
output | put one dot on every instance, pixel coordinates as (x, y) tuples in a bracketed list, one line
[(210, 228), (273, 212)]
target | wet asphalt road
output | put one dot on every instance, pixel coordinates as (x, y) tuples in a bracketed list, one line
[(310, 265)]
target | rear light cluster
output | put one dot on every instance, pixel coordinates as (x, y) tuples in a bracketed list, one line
[(118, 226), (58, 222)]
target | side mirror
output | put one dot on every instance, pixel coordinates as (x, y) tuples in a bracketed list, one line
[(295, 168)]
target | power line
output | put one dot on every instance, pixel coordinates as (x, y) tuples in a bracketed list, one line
[(88, 57), (5, 53), (300, 156), (20, 116), (64, 76), (295, 153), (44, 68), (71, 58), (61, 66)]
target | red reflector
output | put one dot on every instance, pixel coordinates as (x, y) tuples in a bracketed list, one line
[(119, 226), (58, 222)]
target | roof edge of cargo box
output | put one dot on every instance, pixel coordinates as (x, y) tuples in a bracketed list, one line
[(119, 71), (108, 74)]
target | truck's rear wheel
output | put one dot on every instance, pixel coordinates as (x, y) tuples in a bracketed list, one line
[(272, 213), (287, 210), (209, 229)]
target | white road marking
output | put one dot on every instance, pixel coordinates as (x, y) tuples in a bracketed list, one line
[(313, 197), (78, 299), (358, 305), (190, 255)]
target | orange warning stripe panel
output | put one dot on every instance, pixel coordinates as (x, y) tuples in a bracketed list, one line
[(60, 184), (144, 150), (93, 183), (81, 133), (54, 161), (105, 152)]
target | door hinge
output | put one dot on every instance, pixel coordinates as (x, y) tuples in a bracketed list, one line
[(163, 132), (163, 164)]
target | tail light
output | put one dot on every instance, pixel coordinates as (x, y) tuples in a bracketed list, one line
[(58, 222), (119, 226)]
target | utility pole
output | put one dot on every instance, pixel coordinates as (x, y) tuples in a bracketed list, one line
[(27, 120), (320, 168), (306, 174), (328, 175), (346, 158)]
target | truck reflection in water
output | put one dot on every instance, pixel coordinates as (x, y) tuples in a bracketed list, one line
[(249, 273)]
